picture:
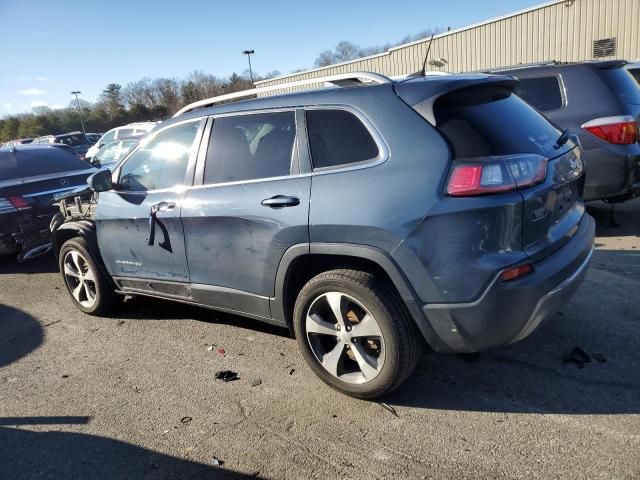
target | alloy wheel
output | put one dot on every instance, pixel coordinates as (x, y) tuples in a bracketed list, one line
[(345, 337), (80, 278)]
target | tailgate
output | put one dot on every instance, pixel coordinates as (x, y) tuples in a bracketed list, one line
[(553, 209)]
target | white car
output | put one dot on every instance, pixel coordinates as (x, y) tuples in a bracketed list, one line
[(130, 130)]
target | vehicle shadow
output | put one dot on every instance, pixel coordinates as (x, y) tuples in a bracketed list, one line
[(624, 222), (56, 454), (42, 264), (20, 334), (535, 375), (148, 308)]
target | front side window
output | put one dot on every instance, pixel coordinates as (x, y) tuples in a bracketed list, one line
[(162, 162), (249, 147), (338, 137), (542, 92)]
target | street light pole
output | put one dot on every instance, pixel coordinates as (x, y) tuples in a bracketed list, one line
[(248, 53), (76, 93)]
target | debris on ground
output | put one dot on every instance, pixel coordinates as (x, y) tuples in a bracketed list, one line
[(65, 376), (121, 322), (217, 462), (221, 351), (291, 371), (226, 375), (255, 382), (210, 348), (186, 419), (577, 356), (389, 408), (598, 357)]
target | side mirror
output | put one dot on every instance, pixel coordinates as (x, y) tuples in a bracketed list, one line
[(101, 181)]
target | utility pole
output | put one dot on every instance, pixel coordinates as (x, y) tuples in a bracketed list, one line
[(248, 53), (76, 93)]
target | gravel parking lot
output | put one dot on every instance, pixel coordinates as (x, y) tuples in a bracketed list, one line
[(134, 395)]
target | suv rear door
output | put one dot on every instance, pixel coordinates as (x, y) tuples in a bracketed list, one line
[(249, 205)]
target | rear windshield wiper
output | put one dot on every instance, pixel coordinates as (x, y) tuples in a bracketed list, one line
[(564, 137)]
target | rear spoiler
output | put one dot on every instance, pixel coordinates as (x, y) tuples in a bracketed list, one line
[(422, 93)]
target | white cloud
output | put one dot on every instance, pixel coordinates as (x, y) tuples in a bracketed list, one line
[(42, 79), (57, 106), (32, 92), (8, 106), (37, 103)]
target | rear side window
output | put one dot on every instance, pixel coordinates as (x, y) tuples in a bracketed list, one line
[(249, 147), (623, 85), (31, 163), (544, 93), (487, 121), (338, 137), (124, 132), (635, 73)]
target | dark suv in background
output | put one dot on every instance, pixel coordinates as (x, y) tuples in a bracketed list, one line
[(76, 141), (600, 102), (361, 217)]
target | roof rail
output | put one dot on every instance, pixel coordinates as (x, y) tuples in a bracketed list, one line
[(518, 66), (341, 80)]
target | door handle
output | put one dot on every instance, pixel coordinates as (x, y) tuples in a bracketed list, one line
[(281, 201), (155, 208), (162, 207)]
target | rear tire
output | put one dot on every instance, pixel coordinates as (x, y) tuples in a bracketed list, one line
[(90, 289), (371, 349)]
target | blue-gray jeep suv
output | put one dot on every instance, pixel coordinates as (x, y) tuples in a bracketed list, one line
[(363, 217)]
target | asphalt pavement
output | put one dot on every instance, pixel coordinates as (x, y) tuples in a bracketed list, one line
[(134, 395)]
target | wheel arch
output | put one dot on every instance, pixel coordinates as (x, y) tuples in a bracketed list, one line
[(85, 229), (303, 261)]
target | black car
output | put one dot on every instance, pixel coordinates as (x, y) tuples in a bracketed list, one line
[(30, 176), (600, 102), (78, 142)]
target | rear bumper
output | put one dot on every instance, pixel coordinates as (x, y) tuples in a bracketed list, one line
[(612, 171), (507, 312)]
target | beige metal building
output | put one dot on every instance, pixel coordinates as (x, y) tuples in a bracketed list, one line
[(561, 30)]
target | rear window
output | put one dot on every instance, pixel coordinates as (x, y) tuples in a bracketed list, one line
[(487, 121), (338, 137), (542, 92), (31, 163), (623, 84), (72, 140)]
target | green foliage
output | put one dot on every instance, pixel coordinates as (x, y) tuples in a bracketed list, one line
[(146, 99)]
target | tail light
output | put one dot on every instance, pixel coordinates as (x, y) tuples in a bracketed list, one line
[(495, 175), (620, 130), (19, 202)]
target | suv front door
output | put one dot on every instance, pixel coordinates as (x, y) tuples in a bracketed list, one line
[(140, 234), (252, 204)]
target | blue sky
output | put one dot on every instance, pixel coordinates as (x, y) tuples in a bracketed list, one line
[(48, 48)]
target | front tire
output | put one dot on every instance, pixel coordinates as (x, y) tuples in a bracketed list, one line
[(90, 289), (355, 333)]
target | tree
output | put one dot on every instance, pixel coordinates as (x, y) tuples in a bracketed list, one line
[(111, 98)]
